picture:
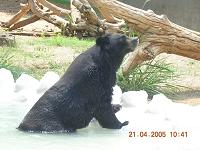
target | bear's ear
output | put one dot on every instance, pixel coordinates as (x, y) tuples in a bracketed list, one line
[(103, 41)]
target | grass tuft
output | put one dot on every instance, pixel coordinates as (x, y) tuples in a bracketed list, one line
[(72, 42), (5, 58), (153, 77), (36, 56)]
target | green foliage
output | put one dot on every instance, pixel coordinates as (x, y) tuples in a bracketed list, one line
[(35, 56), (129, 31), (152, 76), (72, 42), (61, 2), (5, 58), (6, 61)]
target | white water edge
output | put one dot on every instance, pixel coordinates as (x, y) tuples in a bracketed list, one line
[(145, 119)]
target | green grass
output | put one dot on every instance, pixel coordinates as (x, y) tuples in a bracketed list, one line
[(6, 61), (61, 2), (72, 42), (152, 76), (39, 59), (5, 58), (35, 63)]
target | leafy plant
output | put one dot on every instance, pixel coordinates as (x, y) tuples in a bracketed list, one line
[(152, 76), (129, 31), (5, 58), (6, 61)]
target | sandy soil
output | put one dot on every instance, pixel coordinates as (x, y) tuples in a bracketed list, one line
[(187, 67)]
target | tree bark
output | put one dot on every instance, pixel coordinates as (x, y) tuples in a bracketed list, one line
[(59, 11), (24, 10), (159, 34), (22, 23), (57, 21), (75, 14), (33, 33)]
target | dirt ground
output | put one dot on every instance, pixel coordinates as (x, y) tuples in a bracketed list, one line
[(188, 68)]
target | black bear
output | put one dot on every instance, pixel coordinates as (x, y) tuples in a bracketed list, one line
[(84, 92)]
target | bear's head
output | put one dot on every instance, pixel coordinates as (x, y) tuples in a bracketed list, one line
[(116, 46), (117, 43)]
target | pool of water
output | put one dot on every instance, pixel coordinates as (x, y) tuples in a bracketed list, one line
[(95, 137), (161, 115), (12, 139)]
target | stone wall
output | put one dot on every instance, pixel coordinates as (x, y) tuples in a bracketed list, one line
[(183, 12)]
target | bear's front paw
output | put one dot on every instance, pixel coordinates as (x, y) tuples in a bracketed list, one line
[(116, 107), (124, 123)]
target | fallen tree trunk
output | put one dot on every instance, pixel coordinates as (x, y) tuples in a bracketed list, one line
[(57, 10), (24, 10), (82, 19), (33, 33), (57, 21), (22, 23), (159, 35)]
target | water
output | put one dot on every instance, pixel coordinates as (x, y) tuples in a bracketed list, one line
[(12, 139), (93, 137), (160, 115)]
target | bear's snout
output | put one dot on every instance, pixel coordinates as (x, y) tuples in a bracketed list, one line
[(133, 42)]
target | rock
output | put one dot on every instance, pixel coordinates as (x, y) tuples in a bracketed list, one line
[(117, 94), (7, 39), (7, 85), (25, 82), (134, 99), (28, 96), (48, 80), (159, 105), (6, 81)]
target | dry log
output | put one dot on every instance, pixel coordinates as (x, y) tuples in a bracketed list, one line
[(22, 23), (33, 33), (84, 7), (23, 11), (75, 14), (57, 21), (59, 11), (94, 25), (106, 15), (83, 20), (39, 10), (160, 35)]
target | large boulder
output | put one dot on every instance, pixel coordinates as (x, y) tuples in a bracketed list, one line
[(25, 82), (48, 80), (7, 85), (7, 39), (134, 99), (117, 94)]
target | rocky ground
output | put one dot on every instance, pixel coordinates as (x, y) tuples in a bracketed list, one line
[(188, 68)]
